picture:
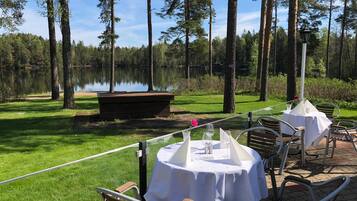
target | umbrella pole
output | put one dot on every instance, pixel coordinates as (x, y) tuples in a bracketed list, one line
[(303, 64)]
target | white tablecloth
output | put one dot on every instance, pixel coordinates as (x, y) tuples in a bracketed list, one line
[(207, 179), (316, 126)]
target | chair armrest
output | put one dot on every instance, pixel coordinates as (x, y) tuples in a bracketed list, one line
[(295, 179), (345, 181), (347, 123), (300, 128), (295, 129), (112, 195), (127, 186), (339, 127)]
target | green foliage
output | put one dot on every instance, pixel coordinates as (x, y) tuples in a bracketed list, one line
[(23, 50), (11, 13), (175, 9), (315, 88), (106, 18), (331, 90)]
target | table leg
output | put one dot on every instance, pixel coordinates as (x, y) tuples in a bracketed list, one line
[(327, 146)]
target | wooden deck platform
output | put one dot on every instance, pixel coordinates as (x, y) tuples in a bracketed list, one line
[(127, 105)]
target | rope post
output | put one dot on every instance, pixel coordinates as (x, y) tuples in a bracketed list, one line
[(250, 124), (250, 119), (142, 169)]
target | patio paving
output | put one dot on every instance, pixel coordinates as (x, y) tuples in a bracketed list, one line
[(344, 162)]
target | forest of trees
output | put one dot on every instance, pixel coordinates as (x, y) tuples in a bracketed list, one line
[(26, 51)]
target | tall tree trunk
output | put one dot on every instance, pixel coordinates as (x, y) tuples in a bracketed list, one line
[(328, 40), (55, 94), (67, 57), (356, 53), (229, 81), (275, 36), (150, 49), (343, 25), (210, 40), (354, 7), (291, 78), (261, 44), (112, 43), (187, 39), (266, 52)]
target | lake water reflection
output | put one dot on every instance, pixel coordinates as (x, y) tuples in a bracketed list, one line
[(126, 79), (17, 83)]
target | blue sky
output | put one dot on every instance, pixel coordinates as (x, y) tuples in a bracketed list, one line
[(132, 28)]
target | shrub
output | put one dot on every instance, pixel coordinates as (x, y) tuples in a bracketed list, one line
[(332, 90)]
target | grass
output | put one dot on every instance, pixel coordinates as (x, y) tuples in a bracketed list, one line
[(37, 134)]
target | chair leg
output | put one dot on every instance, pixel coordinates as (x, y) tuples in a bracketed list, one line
[(327, 144), (302, 149), (354, 143), (327, 147), (283, 161), (273, 184), (333, 147)]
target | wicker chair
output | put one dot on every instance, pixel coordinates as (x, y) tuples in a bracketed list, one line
[(331, 110), (315, 189), (343, 130), (263, 140), (287, 140), (119, 193)]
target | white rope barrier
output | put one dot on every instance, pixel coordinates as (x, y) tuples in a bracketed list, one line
[(67, 164)]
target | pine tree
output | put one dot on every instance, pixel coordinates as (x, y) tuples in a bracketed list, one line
[(107, 16), (229, 83), (189, 15), (67, 56)]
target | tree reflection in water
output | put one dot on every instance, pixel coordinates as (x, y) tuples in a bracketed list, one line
[(21, 82)]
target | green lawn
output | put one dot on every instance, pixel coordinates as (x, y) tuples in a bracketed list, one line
[(37, 134)]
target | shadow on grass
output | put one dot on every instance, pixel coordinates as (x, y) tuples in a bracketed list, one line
[(201, 102), (197, 113), (39, 105), (29, 134)]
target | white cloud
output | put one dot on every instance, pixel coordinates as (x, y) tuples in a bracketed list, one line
[(36, 24)]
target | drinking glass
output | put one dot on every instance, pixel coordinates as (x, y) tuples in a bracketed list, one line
[(205, 141), (186, 134), (210, 131)]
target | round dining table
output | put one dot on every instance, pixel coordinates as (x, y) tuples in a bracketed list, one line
[(208, 177)]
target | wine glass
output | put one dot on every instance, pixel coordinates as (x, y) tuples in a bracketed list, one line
[(186, 134), (228, 142), (205, 141), (210, 131)]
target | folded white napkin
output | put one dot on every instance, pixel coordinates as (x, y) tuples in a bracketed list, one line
[(182, 156), (309, 108), (223, 138), (238, 153), (303, 108)]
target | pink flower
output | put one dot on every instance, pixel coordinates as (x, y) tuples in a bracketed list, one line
[(194, 122)]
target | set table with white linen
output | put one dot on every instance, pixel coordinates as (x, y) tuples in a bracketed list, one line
[(316, 124), (207, 177)]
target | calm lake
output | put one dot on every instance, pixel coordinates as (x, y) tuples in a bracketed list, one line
[(93, 79)]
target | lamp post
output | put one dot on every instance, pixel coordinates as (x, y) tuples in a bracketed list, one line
[(304, 34)]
